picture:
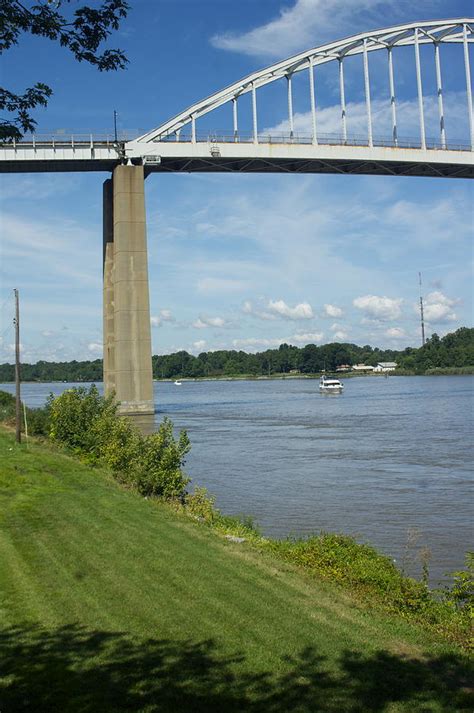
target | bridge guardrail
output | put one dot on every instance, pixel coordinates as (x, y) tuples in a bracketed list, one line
[(224, 137), (323, 139)]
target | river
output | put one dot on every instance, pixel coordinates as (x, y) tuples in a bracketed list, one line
[(388, 461)]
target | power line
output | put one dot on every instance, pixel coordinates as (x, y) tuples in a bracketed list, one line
[(10, 326), (7, 300)]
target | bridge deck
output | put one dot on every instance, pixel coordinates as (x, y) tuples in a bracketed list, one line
[(215, 154)]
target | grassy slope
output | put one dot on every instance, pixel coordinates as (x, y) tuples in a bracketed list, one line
[(110, 602)]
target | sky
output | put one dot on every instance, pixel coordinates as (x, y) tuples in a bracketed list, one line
[(241, 261)]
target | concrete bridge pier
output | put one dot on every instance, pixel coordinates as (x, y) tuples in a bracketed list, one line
[(127, 333)]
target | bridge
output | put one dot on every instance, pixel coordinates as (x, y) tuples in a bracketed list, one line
[(182, 145)]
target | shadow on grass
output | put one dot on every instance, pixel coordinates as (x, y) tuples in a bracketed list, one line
[(73, 669)]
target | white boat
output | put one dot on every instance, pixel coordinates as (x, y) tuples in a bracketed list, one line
[(330, 386), (177, 382)]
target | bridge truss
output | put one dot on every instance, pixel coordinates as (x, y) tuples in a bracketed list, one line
[(178, 145)]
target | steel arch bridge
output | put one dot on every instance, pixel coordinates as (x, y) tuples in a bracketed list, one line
[(178, 145)]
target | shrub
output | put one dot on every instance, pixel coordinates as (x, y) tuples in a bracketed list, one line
[(158, 467), (74, 415), (460, 595), (37, 419), (342, 559), (7, 406), (89, 424), (119, 444), (201, 505)]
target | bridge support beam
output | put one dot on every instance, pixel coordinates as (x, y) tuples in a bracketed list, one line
[(127, 334)]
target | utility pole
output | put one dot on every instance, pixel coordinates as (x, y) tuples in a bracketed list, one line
[(16, 322), (421, 315)]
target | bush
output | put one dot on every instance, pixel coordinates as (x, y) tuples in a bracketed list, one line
[(342, 559), (460, 595), (37, 419), (158, 468), (89, 424), (201, 505), (119, 444), (7, 406), (75, 417)]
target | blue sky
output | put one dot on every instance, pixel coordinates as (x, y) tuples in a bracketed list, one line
[(241, 261)]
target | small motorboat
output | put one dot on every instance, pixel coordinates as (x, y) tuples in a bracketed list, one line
[(328, 385), (177, 382)]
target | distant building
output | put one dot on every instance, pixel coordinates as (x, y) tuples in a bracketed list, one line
[(343, 367), (386, 366), (362, 367)]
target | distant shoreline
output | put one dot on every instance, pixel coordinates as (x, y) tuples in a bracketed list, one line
[(467, 371)]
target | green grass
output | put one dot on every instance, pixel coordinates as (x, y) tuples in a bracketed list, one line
[(110, 602)]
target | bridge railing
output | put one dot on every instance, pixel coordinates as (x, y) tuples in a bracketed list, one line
[(222, 137), (56, 140), (70, 138)]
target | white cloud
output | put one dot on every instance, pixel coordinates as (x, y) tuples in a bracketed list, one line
[(446, 216), (199, 345), (259, 312), (95, 347), (379, 308), (205, 322), (299, 311), (439, 308), (53, 250), (207, 228), (305, 24), (329, 118), (332, 311), (163, 316), (307, 338), (274, 309), (395, 333), (340, 335), (39, 187)]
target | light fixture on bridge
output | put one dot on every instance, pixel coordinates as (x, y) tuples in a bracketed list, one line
[(151, 160)]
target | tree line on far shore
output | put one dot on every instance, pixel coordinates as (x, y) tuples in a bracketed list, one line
[(455, 351)]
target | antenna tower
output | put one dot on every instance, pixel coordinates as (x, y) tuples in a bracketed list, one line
[(421, 315)]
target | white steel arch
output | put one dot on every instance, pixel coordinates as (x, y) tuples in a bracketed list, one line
[(177, 145), (417, 33)]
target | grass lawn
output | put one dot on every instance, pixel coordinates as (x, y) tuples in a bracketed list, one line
[(110, 602)]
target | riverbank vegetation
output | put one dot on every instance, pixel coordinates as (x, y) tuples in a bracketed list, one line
[(88, 426), (114, 602), (453, 353)]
